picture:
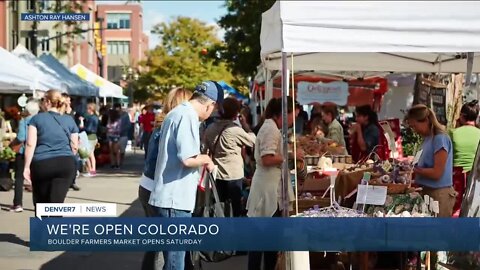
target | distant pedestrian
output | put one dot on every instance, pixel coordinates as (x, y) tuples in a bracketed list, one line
[(125, 128), (31, 109), (146, 122), (52, 140), (113, 136), (89, 124), (68, 110)]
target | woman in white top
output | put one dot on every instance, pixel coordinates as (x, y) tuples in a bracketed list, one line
[(264, 199)]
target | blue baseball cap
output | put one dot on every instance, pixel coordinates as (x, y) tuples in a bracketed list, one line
[(212, 90)]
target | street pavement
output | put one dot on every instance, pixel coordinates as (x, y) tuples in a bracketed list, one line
[(110, 186)]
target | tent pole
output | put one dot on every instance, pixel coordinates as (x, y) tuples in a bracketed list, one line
[(468, 74), (285, 171)]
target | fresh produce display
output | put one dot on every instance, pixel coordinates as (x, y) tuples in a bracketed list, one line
[(358, 167), (401, 205), (310, 146), (387, 173), (7, 154)]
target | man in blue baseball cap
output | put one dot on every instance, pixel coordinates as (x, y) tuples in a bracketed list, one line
[(179, 159)]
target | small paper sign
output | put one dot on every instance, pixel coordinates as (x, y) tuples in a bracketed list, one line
[(373, 195), (387, 166), (435, 207), (431, 203), (426, 199), (366, 178), (424, 208), (417, 157)]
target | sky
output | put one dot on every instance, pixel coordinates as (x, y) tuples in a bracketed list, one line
[(163, 11)]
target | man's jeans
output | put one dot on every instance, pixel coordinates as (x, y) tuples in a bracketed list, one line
[(174, 260)]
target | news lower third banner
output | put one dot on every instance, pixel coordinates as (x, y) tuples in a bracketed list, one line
[(254, 234), (55, 17)]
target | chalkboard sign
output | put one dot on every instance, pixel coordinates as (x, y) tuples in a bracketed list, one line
[(439, 104), (433, 95)]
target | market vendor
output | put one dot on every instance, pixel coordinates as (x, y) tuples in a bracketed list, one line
[(433, 171), (335, 129), (365, 133), (465, 140)]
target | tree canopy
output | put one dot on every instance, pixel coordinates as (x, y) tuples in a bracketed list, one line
[(182, 58), (242, 24)]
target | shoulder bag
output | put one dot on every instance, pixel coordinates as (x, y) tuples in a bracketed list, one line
[(208, 204), (67, 133)]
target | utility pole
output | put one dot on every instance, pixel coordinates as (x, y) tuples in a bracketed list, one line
[(33, 35)]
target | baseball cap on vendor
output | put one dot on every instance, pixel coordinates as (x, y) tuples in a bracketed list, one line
[(212, 90)]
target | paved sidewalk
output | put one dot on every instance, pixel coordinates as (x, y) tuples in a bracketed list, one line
[(111, 186)]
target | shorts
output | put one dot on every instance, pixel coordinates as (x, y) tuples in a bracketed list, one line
[(123, 141), (113, 138), (93, 145)]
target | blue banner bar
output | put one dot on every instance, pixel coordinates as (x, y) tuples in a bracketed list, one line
[(255, 234), (55, 16)]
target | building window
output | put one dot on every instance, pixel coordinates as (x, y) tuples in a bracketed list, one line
[(45, 45), (14, 5), (114, 73), (31, 5), (28, 44), (44, 4), (118, 47), (14, 38), (58, 41), (118, 21)]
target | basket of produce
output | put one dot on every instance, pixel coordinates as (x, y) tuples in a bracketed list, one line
[(310, 146), (397, 177)]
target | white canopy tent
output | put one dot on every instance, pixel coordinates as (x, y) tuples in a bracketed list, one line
[(48, 75), (370, 36), (18, 76), (106, 88), (408, 36)]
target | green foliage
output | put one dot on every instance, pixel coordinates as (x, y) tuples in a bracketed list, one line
[(7, 154), (411, 141), (73, 28), (242, 24), (182, 58)]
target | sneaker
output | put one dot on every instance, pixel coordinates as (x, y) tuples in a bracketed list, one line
[(75, 187), (93, 173), (88, 175), (16, 209)]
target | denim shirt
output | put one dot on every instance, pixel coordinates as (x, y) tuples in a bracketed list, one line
[(91, 124), (152, 154), (22, 131)]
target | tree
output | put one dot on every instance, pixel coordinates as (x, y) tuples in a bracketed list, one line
[(242, 24), (182, 59)]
